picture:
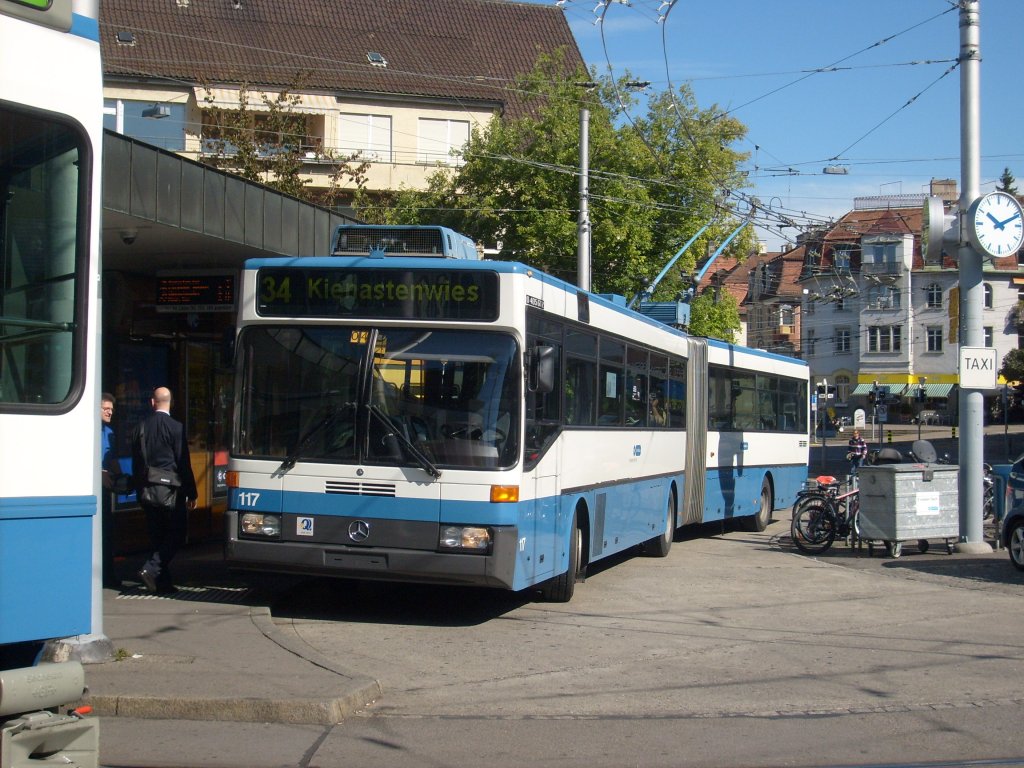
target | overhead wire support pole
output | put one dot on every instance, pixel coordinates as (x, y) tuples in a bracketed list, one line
[(972, 401), (583, 227)]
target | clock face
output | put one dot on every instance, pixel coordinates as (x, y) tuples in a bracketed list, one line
[(996, 225)]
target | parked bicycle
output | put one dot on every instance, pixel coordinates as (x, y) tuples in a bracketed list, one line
[(821, 514)]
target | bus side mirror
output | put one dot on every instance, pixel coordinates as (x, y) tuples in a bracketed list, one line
[(542, 377)]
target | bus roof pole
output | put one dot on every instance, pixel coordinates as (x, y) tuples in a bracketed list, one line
[(654, 284)]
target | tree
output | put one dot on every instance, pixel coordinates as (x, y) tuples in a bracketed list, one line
[(654, 181), (1012, 368), (270, 145), (1007, 183), (715, 314)]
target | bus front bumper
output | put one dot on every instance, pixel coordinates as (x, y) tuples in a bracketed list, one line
[(494, 569)]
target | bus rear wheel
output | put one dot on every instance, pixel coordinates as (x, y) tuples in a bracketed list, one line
[(662, 543), (560, 589), (759, 521)]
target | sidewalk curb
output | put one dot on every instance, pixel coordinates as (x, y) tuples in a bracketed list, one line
[(355, 693)]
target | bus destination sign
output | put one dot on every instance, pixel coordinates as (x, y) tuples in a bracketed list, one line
[(195, 293), (411, 294)]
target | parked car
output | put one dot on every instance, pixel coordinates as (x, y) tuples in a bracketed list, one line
[(1012, 536)]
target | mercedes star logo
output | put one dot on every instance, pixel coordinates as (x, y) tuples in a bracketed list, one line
[(359, 530)]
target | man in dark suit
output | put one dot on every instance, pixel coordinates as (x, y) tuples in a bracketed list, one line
[(166, 448)]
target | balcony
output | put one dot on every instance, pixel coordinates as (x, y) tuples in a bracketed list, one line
[(883, 269)]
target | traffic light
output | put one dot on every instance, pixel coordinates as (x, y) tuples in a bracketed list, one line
[(872, 397), (922, 394)]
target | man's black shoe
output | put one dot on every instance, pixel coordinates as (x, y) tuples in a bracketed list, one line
[(166, 589), (148, 579)]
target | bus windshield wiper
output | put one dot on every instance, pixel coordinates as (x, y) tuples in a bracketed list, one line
[(332, 414), (421, 458)]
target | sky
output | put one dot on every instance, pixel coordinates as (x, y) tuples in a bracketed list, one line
[(887, 108)]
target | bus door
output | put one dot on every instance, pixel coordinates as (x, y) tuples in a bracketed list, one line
[(547, 524)]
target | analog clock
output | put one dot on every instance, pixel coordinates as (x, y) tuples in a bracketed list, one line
[(995, 225)]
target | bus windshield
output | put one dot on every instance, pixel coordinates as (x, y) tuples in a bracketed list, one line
[(413, 397)]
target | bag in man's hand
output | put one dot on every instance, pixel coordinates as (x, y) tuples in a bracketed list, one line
[(161, 489)]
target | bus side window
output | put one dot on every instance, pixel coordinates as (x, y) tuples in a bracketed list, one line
[(580, 377)]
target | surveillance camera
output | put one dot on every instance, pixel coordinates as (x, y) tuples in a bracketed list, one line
[(128, 236)]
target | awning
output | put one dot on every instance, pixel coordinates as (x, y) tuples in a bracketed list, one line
[(228, 98), (895, 390), (932, 390)]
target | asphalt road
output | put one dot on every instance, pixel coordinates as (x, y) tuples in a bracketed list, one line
[(733, 651)]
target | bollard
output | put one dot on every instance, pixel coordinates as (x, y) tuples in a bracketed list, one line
[(888, 436), (954, 433)]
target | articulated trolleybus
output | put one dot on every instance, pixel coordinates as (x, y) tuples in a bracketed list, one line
[(51, 111), (405, 416)]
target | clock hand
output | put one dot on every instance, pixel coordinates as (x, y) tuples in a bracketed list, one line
[(1004, 222), (997, 222)]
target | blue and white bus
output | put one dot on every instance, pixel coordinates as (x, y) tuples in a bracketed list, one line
[(50, 136), (463, 421)]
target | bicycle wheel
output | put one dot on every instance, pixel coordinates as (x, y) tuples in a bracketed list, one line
[(988, 509), (817, 498), (814, 528)]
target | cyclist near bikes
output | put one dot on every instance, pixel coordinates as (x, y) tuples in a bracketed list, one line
[(857, 453)]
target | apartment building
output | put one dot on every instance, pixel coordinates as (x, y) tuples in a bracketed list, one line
[(397, 84), (875, 316)]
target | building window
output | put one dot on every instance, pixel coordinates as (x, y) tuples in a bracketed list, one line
[(439, 139), (809, 344), (840, 304), (366, 137), (934, 296), (843, 388), (883, 297), (883, 254), (808, 307), (885, 338), (841, 257), (988, 296), (934, 338), (842, 340), (988, 336)]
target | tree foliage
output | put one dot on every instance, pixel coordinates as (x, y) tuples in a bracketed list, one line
[(268, 144), (1007, 183), (1012, 368), (715, 314), (655, 179)]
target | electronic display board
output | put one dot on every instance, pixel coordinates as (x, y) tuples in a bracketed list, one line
[(414, 294)]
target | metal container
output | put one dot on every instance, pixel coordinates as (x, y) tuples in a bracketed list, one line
[(902, 502)]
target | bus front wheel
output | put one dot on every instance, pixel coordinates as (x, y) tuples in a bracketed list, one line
[(560, 589)]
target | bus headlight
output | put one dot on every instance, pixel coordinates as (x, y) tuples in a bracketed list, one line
[(466, 538), (260, 524)]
